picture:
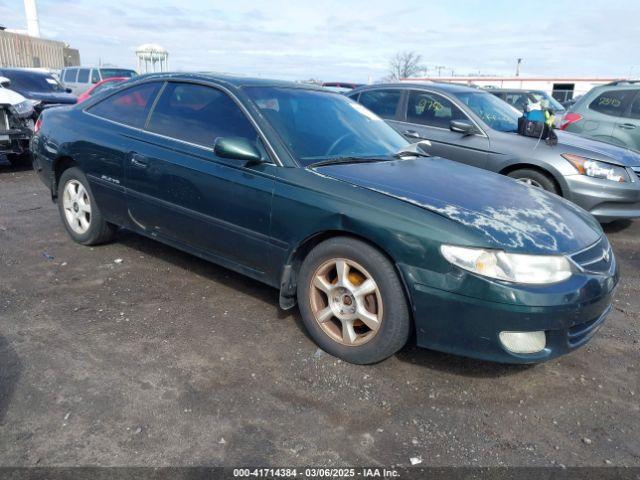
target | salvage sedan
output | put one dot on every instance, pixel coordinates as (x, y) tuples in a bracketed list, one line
[(311, 193)]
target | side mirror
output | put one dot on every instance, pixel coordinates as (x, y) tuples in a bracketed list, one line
[(237, 148), (5, 82), (463, 126)]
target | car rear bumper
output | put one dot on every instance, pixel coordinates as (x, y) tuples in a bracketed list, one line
[(605, 200)]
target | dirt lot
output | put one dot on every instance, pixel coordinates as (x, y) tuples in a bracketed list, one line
[(134, 353)]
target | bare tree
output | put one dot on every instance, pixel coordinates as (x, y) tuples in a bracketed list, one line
[(404, 65)]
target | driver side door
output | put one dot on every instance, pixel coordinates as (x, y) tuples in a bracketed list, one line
[(180, 191), (428, 115)]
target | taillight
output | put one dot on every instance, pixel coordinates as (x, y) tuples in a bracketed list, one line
[(568, 119), (38, 124)]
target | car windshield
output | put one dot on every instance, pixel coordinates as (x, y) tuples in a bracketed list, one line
[(32, 81), (496, 113), (117, 72), (553, 103), (318, 125)]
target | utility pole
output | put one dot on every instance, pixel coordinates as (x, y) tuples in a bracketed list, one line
[(518, 67), (439, 68)]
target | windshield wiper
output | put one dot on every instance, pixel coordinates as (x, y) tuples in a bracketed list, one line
[(341, 160)]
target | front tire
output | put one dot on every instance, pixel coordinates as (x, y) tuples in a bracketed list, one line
[(79, 212), (535, 178), (352, 301)]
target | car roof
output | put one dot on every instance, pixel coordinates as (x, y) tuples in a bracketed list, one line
[(621, 85), (436, 86), (25, 70), (227, 79), (514, 90)]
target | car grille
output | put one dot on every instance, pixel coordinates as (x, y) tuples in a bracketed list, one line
[(598, 258), (637, 170), (581, 333)]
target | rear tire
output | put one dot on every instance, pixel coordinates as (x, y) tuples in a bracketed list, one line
[(535, 178), (79, 212), (363, 319)]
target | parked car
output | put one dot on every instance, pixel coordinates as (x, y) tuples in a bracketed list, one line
[(309, 192), (38, 85), (101, 86), (80, 79), (340, 87), (521, 98), (16, 123), (474, 127), (571, 102), (610, 113)]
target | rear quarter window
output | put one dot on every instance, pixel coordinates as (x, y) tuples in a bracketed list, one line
[(612, 102), (129, 107)]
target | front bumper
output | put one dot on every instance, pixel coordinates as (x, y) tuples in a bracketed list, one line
[(605, 200), (455, 322), (15, 141)]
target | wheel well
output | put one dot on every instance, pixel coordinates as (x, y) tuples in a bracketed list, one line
[(528, 166), (61, 164), (288, 283)]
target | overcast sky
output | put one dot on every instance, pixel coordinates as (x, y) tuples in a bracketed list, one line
[(346, 40)]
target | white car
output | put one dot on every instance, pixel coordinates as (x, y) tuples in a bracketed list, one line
[(16, 123)]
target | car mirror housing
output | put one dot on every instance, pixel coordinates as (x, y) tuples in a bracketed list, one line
[(237, 148), (463, 126)]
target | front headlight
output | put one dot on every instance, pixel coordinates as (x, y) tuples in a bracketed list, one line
[(597, 169), (24, 108), (511, 267)]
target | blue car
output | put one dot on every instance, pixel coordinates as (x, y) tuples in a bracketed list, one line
[(313, 194)]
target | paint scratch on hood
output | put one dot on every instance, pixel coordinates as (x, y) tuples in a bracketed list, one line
[(509, 214)]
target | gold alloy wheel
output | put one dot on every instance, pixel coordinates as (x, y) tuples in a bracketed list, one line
[(346, 302)]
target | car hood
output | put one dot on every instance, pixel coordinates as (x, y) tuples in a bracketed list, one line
[(51, 97), (9, 97), (597, 150), (508, 214)]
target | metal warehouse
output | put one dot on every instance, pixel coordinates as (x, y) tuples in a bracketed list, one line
[(18, 50)]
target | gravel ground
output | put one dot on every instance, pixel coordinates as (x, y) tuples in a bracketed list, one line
[(134, 353)]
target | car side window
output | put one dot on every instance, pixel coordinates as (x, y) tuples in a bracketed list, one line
[(130, 107), (381, 102), (432, 110), (70, 75), (635, 108), (518, 100), (612, 102), (83, 75), (199, 114), (95, 75)]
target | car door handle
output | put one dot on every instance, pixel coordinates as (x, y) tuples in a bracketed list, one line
[(411, 134), (139, 161), (627, 126)]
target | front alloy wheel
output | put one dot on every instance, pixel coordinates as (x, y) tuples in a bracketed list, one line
[(352, 301), (346, 301)]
